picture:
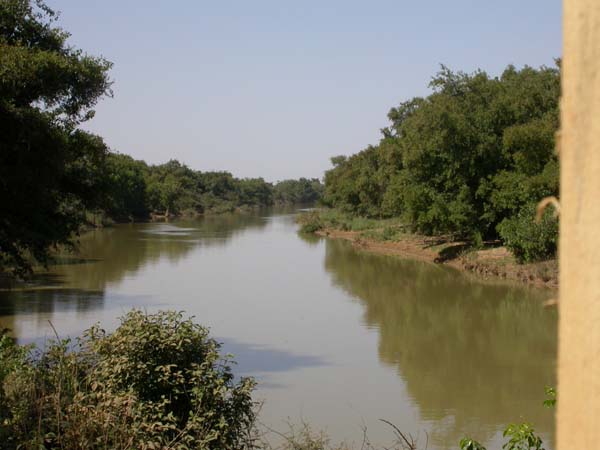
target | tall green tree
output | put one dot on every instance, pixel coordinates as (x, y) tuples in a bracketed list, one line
[(474, 154), (300, 191), (255, 192), (50, 171), (171, 188), (126, 187)]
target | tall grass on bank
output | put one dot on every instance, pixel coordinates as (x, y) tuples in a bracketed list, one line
[(321, 219)]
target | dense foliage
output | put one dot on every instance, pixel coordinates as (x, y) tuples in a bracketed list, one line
[(466, 160), (158, 381), (528, 239), (136, 189), (298, 192), (50, 171)]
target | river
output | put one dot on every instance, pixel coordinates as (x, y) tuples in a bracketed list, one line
[(336, 337)]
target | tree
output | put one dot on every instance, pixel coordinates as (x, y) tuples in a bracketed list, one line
[(255, 191), (300, 191), (126, 187), (50, 171), (461, 161)]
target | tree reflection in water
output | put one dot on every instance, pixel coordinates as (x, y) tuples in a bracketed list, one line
[(474, 356), (77, 282)]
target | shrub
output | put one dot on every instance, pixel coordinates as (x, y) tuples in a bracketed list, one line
[(520, 437), (310, 222), (530, 241), (158, 381), (470, 444)]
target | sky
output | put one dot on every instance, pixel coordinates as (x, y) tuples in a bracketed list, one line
[(274, 88)]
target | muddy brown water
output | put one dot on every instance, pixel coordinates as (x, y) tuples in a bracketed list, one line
[(336, 337)]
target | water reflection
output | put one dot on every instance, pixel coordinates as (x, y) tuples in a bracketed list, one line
[(310, 238), (41, 301), (123, 250), (260, 361), (474, 356), (76, 283)]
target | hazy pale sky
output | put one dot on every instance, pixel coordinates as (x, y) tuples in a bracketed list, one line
[(275, 88)]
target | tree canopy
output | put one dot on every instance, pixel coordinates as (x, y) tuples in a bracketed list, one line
[(137, 189), (50, 171), (475, 153), (300, 191)]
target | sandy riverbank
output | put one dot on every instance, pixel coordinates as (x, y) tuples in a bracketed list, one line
[(488, 263)]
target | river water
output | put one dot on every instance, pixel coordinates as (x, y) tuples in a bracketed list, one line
[(336, 337)]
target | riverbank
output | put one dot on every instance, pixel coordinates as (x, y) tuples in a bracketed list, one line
[(101, 220), (389, 237)]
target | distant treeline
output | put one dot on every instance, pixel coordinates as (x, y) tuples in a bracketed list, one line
[(471, 160), (136, 189)]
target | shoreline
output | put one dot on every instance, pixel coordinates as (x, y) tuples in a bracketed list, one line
[(492, 263), (102, 221)]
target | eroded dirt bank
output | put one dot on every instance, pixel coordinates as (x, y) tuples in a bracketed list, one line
[(488, 263)]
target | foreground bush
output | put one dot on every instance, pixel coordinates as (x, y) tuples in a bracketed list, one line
[(158, 381)]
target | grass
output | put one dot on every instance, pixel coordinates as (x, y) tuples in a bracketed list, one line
[(330, 218)]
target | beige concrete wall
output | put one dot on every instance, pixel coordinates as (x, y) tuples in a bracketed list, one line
[(578, 413)]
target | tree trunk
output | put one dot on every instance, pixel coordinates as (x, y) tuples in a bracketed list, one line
[(578, 413)]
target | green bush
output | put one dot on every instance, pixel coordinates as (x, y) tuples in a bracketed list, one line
[(470, 444), (158, 381), (530, 241), (310, 222), (520, 437)]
